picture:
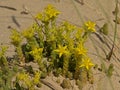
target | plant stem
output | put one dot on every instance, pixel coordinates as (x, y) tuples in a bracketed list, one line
[(65, 64), (115, 34)]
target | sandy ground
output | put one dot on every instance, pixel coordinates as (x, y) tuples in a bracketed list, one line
[(91, 10)]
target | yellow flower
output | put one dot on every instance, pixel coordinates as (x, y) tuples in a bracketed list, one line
[(61, 50), (21, 76), (15, 37), (80, 50), (39, 16), (29, 33), (86, 63), (90, 26), (37, 53), (36, 78), (25, 78), (69, 26), (51, 12)]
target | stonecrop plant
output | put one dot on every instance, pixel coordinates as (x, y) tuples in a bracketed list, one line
[(62, 44), (28, 82)]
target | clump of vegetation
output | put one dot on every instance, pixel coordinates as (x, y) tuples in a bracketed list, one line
[(62, 45), (66, 84), (6, 71), (25, 81), (58, 49)]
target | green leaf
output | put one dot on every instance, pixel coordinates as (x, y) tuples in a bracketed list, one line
[(110, 70), (104, 29), (103, 67)]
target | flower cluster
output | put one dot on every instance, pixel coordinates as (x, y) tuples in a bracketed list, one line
[(15, 37), (80, 50), (36, 78), (63, 45), (27, 81), (37, 53), (50, 13), (28, 33)]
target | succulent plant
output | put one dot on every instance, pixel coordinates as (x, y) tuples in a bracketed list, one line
[(66, 84)]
